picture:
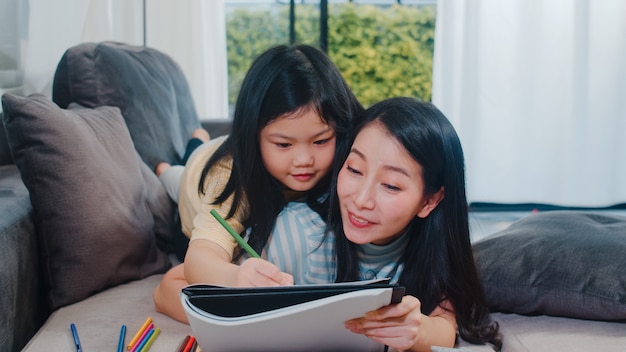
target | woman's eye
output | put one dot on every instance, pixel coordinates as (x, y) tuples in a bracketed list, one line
[(353, 170), (391, 187), (283, 145)]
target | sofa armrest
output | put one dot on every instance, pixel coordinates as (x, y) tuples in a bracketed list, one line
[(22, 300), (217, 127), (5, 152)]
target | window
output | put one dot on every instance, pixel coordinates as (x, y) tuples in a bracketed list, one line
[(383, 48)]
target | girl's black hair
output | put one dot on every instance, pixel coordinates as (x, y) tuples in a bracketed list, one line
[(438, 259), (282, 80)]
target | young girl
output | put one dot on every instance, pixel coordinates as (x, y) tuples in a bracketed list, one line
[(400, 211), (293, 113)]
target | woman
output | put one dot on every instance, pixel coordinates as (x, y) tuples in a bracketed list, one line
[(400, 211)]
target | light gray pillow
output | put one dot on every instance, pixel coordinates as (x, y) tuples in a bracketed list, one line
[(98, 209), (560, 263)]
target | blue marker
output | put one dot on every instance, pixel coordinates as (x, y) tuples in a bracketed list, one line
[(145, 340), (76, 339), (120, 345)]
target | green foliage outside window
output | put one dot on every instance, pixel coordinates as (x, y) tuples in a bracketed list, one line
[(381, 51)]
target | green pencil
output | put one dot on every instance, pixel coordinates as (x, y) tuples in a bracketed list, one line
[(150, 341), (235, 235)]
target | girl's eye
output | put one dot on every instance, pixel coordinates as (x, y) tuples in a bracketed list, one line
[(353, 170), (321, 141), (283, 145)]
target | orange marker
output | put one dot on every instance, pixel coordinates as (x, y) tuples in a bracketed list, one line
[(143, 337), (139, 333)]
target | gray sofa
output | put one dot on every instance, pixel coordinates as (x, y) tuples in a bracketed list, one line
[(66, 162), (54, 149)]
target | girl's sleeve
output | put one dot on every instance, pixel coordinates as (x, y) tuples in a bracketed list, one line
[(205, 226)]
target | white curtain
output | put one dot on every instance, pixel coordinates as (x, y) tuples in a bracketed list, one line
[(537, 92), (116, 20), (192, 32), (48, 29)]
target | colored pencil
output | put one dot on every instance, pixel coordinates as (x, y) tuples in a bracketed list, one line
[(145, 339), (235, 235), (189, 344), (142, 338), (148, 344), (183, 344), (120, 344), (79, 348), (139, 333)]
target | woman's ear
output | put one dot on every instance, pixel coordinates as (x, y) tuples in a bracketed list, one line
[(430, 203)]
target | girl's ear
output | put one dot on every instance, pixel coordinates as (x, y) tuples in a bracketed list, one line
[(431, 203)]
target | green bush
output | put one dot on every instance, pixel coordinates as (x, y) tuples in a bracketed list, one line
[(381, 51)]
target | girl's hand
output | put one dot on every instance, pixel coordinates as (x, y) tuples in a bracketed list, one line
[(259, 272), (395, 325)]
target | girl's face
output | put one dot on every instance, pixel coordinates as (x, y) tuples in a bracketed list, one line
[(298, 149), (380, 188)]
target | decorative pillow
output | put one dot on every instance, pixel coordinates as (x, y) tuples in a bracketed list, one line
[(148, 86), (561, 263), (96, 205)]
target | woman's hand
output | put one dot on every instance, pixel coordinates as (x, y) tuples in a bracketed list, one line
[(395, 325), (403, 327), (259, 272)]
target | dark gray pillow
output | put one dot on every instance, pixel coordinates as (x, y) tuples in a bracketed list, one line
[(98, 209), (560, 263), (148, 86)]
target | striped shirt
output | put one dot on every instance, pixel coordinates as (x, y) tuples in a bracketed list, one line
[(299, 246)]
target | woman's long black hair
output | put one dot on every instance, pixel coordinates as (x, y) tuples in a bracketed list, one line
[(438, 259), (283, 80)]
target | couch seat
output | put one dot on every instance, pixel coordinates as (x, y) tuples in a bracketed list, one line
[(99, 318)]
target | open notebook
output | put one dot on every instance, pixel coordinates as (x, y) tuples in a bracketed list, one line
[(285, 318)]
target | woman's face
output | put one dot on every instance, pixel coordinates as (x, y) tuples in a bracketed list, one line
[(380, 188)]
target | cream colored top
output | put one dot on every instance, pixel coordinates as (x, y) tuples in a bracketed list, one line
[(194, 207)]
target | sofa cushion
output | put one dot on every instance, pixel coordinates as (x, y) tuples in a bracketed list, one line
[(98, 209), (99, 318), (544, 333), (560, 263), (147, 85)]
